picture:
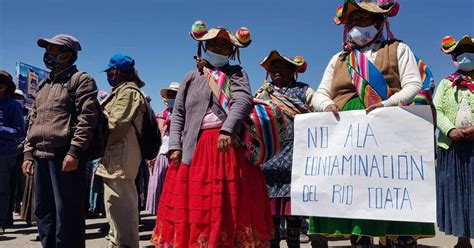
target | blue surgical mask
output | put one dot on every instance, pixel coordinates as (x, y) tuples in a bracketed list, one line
[(216, 60), (169, 102), (465, 62)]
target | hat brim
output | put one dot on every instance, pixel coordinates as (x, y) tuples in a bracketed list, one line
[(43, 42), (108, 67), (274, 55), (19, 95), (6, 77), (164, 92), (11, 87), (223, 34), (369, 7), (465, 40)]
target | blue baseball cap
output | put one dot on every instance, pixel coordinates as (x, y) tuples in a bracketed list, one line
[(120, 61)]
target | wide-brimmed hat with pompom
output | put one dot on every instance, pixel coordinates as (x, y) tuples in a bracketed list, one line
[(388, 8), (200, 33), (449, 44), (298, 62)]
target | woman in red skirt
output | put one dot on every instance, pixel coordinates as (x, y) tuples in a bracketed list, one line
[(212, 196)]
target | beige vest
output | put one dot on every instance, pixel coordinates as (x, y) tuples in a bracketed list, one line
[(343, 89)]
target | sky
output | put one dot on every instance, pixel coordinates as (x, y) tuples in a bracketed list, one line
[(156, 33)]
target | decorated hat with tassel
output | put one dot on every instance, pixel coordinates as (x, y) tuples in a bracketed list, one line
[(298, 62)]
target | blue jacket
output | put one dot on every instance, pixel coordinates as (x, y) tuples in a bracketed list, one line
[(12, 126)]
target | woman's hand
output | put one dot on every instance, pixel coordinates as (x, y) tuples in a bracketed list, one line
[(224, 142), (373, 106), (468, 133), (150, 164), (456, 135), (334, 109), (27, 168), (175, 157)]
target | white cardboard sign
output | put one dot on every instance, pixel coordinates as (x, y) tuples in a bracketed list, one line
[(376, 166)]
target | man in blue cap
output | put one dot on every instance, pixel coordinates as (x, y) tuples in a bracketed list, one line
[(64, 117), (119, 167)]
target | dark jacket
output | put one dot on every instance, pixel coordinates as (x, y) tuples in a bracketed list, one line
[(195, 97), (53, 128), (12, 125)]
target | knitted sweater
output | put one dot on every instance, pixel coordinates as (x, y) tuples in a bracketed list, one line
[(447, 101)]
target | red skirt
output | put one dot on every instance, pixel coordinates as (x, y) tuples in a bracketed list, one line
[(219, 200)]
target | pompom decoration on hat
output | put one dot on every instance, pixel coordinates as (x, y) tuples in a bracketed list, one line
[(448, 41), (199, 29), (243, 35), (339, 11), (394, 10), (385, 4), (300, 60)]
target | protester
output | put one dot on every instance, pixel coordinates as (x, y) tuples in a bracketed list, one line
[(18, 182), (12, 130), (294, 98), (399, 78), (61, 127), (454, 102), (212, 196), (159, 166), (124, 109)]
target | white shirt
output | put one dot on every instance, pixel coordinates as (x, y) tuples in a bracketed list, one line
[(410, 78), (165, 141)]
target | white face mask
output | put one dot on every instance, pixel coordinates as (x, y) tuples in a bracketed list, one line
[(363, 35), (216, 60)]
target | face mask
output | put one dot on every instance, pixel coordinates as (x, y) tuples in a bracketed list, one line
[(169, 102), (465, 62), (363, 35), (52, 61), (112, 79), (216, 60)]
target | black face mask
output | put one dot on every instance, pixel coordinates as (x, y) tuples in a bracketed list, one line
[(52, 61)]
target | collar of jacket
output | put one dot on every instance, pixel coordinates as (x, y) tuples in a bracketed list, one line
[(116, 88), (64, 74)]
